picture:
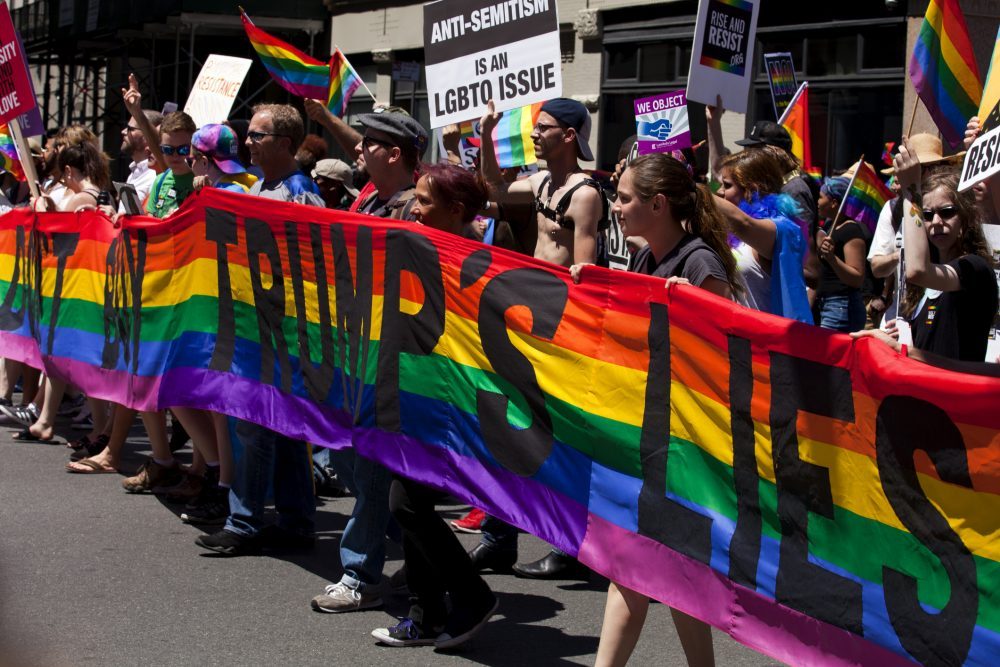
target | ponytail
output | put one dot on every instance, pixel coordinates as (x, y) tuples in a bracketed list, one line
[(708, 225)]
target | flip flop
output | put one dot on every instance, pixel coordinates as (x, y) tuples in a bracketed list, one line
[(27, 436), (88, 467)]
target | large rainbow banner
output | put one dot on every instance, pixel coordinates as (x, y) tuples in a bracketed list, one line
[(822, 500)]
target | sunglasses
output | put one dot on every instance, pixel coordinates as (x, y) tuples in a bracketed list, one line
[(257, 137), (945, 212), (183, 151), (366, 143)]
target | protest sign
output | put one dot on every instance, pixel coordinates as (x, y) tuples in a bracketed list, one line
[(478, 50), (982, 160), (771, 478), (781, 77), (721, 61), (661, 123), (214, 91), (16, 94)]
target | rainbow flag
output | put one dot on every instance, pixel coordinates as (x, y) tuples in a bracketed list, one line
[(820, 499), (9, 159), (944, 71), (815, 173), (512, 136), (344, 81), (291, 69), (795, 119), (468, 129), (887, 150), (866, 196)]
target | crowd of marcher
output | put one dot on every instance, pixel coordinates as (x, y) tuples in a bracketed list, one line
[(750, 226)]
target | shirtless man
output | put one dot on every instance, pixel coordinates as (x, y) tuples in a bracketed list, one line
[(560, 137)]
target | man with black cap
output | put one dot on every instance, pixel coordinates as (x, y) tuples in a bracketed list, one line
[(568, 212), (391, 146)]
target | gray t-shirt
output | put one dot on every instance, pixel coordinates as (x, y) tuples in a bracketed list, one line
[(799, 190), (692, 258), (295, 187)]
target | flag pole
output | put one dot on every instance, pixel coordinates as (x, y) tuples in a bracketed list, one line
[(795, 98), (836, 219), (356, 73), (913, 115)]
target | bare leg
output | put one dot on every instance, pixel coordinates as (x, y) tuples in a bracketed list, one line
[(45, 424), (156, 429), (624, 616), (39, 400), (696, 639), (198, 424), (29, 383), (121, 424), (99, 413), (9, 372)]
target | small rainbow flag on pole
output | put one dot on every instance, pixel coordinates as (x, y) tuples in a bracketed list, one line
[(9, 159), (943, 69), (866, 196), (293, 70), (512, 136), (343, 82), (795, 119)]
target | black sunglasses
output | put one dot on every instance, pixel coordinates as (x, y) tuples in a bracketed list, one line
[(257, 137), (183, 151), (946, 212)]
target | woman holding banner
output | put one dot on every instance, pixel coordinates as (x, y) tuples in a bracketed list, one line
[(660, 201)]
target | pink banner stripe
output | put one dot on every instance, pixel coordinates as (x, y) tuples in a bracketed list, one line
[(747, 616)]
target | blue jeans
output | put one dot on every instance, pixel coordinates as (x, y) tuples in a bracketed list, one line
[(844, 313), (271, 457), (362, 546)]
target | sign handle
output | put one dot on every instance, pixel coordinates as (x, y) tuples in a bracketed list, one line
[(837, 222), (24, 153)]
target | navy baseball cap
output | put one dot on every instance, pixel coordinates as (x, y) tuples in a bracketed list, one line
[(575, 115), (766, 132)]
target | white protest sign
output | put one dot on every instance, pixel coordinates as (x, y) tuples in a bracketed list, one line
[(722, 58), (215, 89), (982, 160), (478, 50)]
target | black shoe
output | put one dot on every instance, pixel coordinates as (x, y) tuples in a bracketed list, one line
[(229, 543), (553, 566), (485, 557), (464, 624), (209, 508), (178, 436), (277, 538)]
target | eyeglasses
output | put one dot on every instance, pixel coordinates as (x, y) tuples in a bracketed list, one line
[(132, 128), (183, 151), (946, 212), (366, 143), (544, 127), (257, 137)]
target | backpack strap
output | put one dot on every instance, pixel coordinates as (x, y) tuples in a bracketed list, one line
[(558, 214)]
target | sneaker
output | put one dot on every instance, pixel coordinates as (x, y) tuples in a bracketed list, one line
[(152, 475), (6, 401), (185, 491), (405, 633), (471, 522), (26, 415), (71, 406), (339, 598), (228, 543), (212, 508), (463, 625)]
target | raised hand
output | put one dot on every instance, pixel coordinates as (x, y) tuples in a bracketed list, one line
[(489, 120), (132, 96)]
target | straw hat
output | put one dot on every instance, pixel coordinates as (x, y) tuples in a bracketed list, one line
[(929, 150)]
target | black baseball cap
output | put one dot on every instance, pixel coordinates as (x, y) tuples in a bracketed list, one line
[(766, 132), (403, 128), (575, 115)]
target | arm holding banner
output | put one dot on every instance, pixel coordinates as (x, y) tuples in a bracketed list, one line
[(500, 190), (346, 136), (133, 102), (920, 270), (759, 234)]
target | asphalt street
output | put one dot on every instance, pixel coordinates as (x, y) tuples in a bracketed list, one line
[(90, 575)]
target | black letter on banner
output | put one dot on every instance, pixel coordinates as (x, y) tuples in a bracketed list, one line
[(354, 313), (905, 425), (136, 265), (112, 316), (11, 319), (220, 228), (660, 518), (414, 334), (803, 487), (744, 549), (522, 451), (317, 380), (269, 303), (63, 245)]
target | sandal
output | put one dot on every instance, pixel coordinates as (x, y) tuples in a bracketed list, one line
[(89, 467), (88, 448), (27, 436)]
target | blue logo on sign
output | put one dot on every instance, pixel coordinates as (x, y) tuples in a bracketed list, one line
[(660, 129)]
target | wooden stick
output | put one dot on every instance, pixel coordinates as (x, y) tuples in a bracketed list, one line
[(913, 115), (795, 98), (24, 153)]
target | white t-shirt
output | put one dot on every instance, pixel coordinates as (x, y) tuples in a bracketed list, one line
[(885, 241), (140, 177), (755, 278)]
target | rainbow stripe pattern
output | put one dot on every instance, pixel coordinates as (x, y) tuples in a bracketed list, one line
[(344, 81), (9, 159), (773, 479), (866, 196), (796, 121), (293, 70), (512, 136), (944, 71)]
